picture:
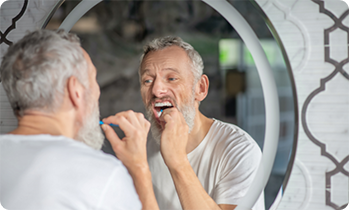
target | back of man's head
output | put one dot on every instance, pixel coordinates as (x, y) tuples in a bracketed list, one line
[(34, 70)]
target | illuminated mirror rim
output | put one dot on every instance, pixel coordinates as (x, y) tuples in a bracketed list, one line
[(266, 77), (293, 87)]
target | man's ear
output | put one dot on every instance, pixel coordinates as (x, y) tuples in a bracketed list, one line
[(75, 92), (201, 88)]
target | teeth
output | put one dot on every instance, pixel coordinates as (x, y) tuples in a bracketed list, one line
[(161, 104)]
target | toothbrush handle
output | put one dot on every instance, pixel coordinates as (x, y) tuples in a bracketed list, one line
[(111, 124)]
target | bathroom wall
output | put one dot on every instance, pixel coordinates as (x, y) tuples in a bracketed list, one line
[(315, 36), (16, 18)]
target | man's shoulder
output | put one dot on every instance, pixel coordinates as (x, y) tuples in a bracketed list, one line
[(59, 149), (66, 167), (224, 131), (78, 153), (230, 139)]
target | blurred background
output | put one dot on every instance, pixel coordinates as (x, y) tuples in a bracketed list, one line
[(114, 32)]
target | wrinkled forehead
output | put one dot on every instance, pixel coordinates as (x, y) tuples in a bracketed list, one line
[(172, 57)]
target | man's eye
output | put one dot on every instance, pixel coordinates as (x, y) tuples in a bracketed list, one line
[(147, 81), (172, 79)]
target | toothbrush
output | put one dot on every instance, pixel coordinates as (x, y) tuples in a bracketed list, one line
[(111, 124), (159, 115)]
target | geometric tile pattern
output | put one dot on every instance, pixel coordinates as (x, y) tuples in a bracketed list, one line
[(17, 17), (317, 31), (3, 36), (338, 70)]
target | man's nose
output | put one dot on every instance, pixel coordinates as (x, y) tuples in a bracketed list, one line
[(159, 89)]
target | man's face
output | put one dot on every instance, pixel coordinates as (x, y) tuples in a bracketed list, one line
[(167, 81), (90, 132)]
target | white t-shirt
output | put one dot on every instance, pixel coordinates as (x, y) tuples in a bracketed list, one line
[(225, 162), (54, 172)]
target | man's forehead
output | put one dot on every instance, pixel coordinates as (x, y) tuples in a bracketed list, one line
[(147, 71), (171, 58)]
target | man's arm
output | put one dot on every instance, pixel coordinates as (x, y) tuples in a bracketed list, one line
[(131, 150), (173, 149), (190, 191)]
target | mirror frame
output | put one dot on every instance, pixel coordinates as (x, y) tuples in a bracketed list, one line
[(267, 81)]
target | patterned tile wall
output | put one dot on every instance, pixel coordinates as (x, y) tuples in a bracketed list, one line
[(316, 36), (17, 17)]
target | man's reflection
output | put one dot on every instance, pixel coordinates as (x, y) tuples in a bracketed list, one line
[(196, 162)]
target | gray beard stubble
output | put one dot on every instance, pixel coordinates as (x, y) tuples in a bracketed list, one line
[(187, 110), (91, 133)]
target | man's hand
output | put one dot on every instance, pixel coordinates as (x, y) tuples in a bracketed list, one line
[(174, 138), (131, 150)]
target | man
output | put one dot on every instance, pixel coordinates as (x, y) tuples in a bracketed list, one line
[(196, 162), (51, 160)]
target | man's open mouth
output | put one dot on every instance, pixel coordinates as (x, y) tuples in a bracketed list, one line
[(158, 106)]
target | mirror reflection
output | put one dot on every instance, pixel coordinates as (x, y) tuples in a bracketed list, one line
[(114, 33)]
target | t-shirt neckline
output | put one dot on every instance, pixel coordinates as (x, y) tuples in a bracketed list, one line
[(204, 141)]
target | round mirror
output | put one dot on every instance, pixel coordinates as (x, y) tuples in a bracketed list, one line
[(114, 32)]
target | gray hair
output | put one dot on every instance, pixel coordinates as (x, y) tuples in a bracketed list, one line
[(167, 41), (34, 70)]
